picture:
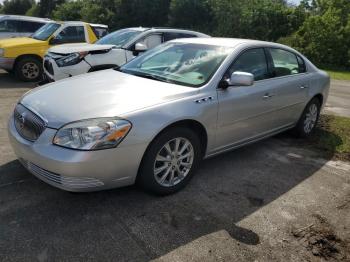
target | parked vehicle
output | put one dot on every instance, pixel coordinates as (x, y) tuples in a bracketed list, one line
[(155, 118), (112, 50), (24, 55), (19, 26)]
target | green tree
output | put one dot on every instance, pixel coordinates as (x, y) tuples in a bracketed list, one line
[(34, 10), (16, 7), (71, 10), (192, 14), (46, 7), (324, 38)]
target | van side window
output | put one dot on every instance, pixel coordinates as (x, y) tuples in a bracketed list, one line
[(252, 61), (9, 26), (284, 62), (29, 26)]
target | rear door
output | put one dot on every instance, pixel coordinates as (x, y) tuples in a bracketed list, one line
[(291, 84)]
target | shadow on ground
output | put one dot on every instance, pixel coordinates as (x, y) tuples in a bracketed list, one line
[(129, 225)]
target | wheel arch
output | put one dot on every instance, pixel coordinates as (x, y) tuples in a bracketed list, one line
[(318, 96), (19, 58), (188, 123)]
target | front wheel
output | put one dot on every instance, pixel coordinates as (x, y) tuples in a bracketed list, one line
[(308, 120), (170, 161), (29, 69)]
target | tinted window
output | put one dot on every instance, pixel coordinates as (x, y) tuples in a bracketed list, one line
[(171, 36), (9, 26), (252, 61), (46, 31), (119, 38), (29, 27), (285, 63), (302, 65), (72, 34)]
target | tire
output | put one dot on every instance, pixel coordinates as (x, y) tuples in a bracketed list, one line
[(147, 177), (29, 69), (308, 120)]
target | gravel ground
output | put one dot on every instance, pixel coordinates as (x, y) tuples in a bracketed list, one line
[(271, 201)]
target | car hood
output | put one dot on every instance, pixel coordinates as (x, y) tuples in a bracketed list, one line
[(72, 48), (105, 93), (20, 41)]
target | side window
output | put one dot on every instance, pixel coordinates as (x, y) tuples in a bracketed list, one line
[(152, 41), (302, 65), (171, 36), (72, 34), (29, 27), (252, 61), (9, 26), (285, 63)]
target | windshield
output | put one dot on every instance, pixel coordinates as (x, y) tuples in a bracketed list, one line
[(119, 38), (180, 63), (46, 31)]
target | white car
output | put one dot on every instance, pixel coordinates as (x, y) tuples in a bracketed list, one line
[(113, 50), (19, 26)]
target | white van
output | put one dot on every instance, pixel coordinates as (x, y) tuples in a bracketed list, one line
[(19, 26)]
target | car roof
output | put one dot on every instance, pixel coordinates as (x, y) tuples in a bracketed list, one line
[(229, 42), (80, 23), (25, 18)]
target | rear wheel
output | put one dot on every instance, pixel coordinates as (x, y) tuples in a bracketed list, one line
[(170, 161), (308, 120), (29, 69)]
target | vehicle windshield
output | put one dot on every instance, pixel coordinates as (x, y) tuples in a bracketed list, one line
[(119, 38), (46, 31), (179, 63)]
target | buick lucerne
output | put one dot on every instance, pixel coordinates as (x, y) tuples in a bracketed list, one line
[(154, 119)]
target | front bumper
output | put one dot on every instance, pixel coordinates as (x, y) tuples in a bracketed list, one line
[(73, 170), (7, 63), (55, 73)]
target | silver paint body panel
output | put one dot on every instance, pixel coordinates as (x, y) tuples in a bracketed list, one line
[(232, 117)]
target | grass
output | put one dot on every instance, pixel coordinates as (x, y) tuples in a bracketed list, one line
[(339, 74), (332, 137)]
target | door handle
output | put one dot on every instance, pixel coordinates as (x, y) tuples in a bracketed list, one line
[(267, 96), (304, 87)]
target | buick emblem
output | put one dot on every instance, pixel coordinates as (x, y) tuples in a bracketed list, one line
[(22, 120)]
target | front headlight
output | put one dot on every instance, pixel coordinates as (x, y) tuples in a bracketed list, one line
[(71, 59), (93, 134), (2, 52)]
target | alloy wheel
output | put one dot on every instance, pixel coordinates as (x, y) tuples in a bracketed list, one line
[(173, 162), (310, 118)]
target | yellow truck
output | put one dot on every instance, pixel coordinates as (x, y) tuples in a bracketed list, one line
[(24, 56)]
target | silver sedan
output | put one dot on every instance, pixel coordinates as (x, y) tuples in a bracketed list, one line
[(154, 119)]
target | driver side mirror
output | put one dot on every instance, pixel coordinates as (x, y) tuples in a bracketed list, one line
[(238, 79), (140, 47)]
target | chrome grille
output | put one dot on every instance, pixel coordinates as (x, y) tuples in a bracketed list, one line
[(27, 124), (65, 181)]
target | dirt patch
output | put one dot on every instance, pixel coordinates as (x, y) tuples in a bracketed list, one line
[(321, 241)]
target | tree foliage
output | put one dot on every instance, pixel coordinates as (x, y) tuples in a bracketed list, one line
[(17, 7), (318, 28)]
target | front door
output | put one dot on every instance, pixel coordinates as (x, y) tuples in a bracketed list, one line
[(246, 112)]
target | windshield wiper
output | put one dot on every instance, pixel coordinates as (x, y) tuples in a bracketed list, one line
[(150, 76)]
